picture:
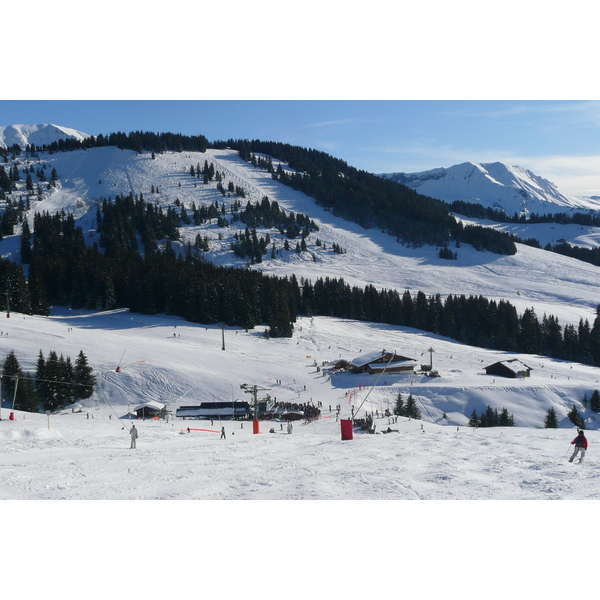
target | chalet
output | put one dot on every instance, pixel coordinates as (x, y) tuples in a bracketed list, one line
[(150, 410), (214, 410), (380, 361), (509, 368), (339, 365)]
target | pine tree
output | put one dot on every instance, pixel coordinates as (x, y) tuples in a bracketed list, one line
[(474, 420), (551, 421), (25, 243), (83, 376), (490, 418), (506, 419), (595, 401), (412, 410), (66, 393), (576, 418), (48, 387), (11, 370), (399, 406)]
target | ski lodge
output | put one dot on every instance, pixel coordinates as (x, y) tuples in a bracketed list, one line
[(380, 361), (509, 368), (214, 410)]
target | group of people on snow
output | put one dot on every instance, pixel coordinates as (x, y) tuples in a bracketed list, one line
[(580, 442)]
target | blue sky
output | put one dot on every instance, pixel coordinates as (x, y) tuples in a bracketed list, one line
[(558, 140), (386, 87)]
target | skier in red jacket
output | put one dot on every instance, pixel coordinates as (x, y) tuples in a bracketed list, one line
[(580, 445)]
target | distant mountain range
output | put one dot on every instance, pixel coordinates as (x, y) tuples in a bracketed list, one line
[(512, 189), (39, 135)]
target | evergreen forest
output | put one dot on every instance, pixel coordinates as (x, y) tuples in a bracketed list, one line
[(57, 382), (128, 269)]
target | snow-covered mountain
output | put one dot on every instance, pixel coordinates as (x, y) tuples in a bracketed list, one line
[(42, 134), (551, 283), (495, 185), (84, 455)]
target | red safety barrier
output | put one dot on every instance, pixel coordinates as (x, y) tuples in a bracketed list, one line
[(346, 429), (195, 429), (255, 426)]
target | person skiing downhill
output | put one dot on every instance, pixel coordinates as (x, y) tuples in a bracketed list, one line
[(580, 445), (134, 433)]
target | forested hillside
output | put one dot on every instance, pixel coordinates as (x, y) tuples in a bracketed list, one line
[(63, 271), (132, 262), (369, 200)]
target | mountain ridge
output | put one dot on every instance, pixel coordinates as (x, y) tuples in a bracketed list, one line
[(510, 188), (39, 135)]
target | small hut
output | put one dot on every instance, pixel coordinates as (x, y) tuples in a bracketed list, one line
[(150, 409), (512, 368)]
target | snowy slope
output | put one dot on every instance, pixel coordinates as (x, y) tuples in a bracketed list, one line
[(495, 185), (550, 283), (85, 455), (39, 135), (553, 284)]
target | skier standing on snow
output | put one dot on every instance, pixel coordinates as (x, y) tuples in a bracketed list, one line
[(222, 433), (290, 427), (134, 433), (580, 445)]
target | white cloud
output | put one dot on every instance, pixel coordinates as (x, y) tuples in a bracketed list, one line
[(579, 175)]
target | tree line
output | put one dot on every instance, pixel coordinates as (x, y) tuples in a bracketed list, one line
[(490, 417), (478, 211), (64, 271), (135, 140), (56, 384)]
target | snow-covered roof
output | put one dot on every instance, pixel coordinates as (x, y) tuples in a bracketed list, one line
[(364, 359), (150, 404), (514, 365), (369, 357)]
